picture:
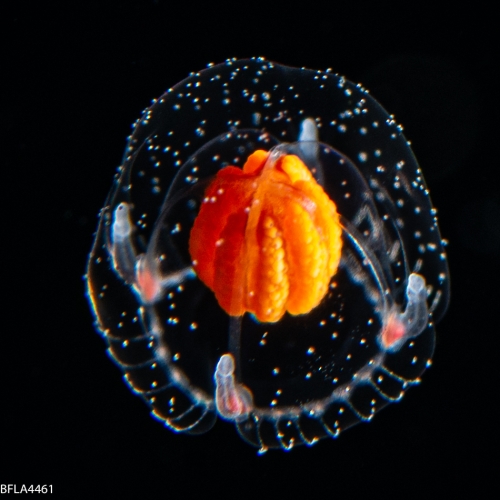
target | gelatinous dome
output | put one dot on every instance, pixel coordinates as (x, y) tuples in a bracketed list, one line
[(268, 253)]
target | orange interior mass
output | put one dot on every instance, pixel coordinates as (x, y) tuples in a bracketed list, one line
[(267, 238)]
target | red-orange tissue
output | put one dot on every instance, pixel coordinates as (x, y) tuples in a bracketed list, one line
[(267, 239)]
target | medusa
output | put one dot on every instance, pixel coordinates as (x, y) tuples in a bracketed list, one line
[(268, 254)]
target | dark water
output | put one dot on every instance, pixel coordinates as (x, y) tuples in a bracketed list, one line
[(76, 79)]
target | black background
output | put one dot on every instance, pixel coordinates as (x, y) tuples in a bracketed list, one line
[(74, 78)]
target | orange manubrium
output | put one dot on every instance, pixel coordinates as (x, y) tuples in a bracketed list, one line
[(267, 238)]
